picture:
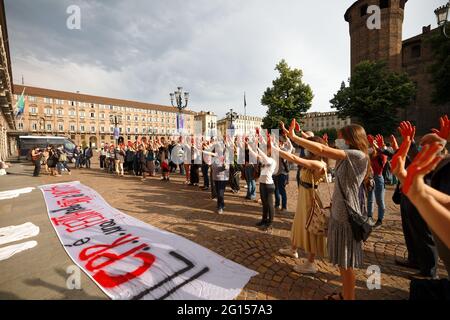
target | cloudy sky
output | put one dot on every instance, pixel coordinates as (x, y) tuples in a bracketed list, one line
[(216, 49)]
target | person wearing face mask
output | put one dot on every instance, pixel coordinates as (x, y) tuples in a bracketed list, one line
[(345, 249), (313, 172)]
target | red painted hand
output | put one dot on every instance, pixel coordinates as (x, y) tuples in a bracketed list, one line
[(425, 162), (394, 142), (371, 139), (399, 159), (444, 132), (406, 129), (379, 140)]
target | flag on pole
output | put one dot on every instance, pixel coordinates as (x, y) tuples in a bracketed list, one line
[(20, 104)]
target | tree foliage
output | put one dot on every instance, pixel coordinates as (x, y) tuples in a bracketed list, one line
[(288, 98), (374, 96)]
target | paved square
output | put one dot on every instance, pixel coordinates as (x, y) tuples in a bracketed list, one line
[(40, 273)]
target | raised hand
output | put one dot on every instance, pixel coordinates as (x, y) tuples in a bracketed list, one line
[(394, 143), (425, 162), (399, 159), (444, 132), (284, 131), (406, 129), (371, 139), (325, 137), (379, 140)]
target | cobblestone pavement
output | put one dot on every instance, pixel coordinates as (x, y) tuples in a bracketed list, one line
[(189, 212)]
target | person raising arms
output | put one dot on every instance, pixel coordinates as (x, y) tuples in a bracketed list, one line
[(313, 171), (352, 168)]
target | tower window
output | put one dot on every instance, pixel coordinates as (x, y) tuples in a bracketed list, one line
[(384, 4), (364, 10), (416, 51)]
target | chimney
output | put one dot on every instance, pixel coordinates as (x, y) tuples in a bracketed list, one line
[(426, 29)]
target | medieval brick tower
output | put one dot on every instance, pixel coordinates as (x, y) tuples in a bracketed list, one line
[(384, 43)]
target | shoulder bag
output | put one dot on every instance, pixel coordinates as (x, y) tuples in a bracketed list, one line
[(319, 217)]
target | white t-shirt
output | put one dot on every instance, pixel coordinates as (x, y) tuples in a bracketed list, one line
[(268, 166)]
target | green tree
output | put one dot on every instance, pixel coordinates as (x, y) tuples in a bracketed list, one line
[(288, 98), (374, 96), (440, 70)]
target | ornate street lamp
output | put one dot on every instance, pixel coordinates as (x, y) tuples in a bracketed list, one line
[(177, 97), (232, 116), (442, 14)]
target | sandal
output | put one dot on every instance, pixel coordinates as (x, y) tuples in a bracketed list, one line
[(333, 296)]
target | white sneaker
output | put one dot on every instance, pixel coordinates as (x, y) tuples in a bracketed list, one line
[(306, 268), (289, 252)]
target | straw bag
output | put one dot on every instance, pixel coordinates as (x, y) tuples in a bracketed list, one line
[(319, 217)]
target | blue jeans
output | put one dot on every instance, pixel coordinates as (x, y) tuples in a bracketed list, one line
[(378, 192), (251, 183), (205, 169), (280, 190)]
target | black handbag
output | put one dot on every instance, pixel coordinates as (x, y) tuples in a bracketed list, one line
[(361, 225)]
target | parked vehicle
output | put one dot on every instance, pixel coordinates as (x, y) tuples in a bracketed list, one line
[(26, 143)]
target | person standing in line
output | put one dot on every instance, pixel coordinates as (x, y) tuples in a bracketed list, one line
[(266, 185), (250, 172), (377, 161), (206, 162), (313, 172), (281, 177), (187, 162), (77, 157), (195, 157), (150, 160), (352, 169), (102, 157), (220, 168), (36, 156), (88, 155), (119, 158)]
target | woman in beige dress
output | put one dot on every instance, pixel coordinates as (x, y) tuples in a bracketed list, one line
[(313, 172)]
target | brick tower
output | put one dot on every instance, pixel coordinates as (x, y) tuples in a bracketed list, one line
[(376, 44)]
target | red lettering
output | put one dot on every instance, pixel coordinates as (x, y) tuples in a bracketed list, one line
[(110, 281)]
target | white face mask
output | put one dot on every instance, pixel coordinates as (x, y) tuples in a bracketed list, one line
[(340, 144)]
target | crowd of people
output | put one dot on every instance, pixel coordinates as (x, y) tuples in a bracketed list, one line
[(364, 165)]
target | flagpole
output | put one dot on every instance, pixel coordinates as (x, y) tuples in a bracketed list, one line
[(245, 115)]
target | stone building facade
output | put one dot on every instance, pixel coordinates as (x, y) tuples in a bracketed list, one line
[(317, 121), (206, 124), (7, 124), (90, 120), (242, 125), (413, 56)]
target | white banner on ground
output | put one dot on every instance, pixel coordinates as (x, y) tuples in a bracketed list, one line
[(130, 259)]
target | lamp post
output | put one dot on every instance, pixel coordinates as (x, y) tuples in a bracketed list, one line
[(177, 97), (442, 14), (232, 116)]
